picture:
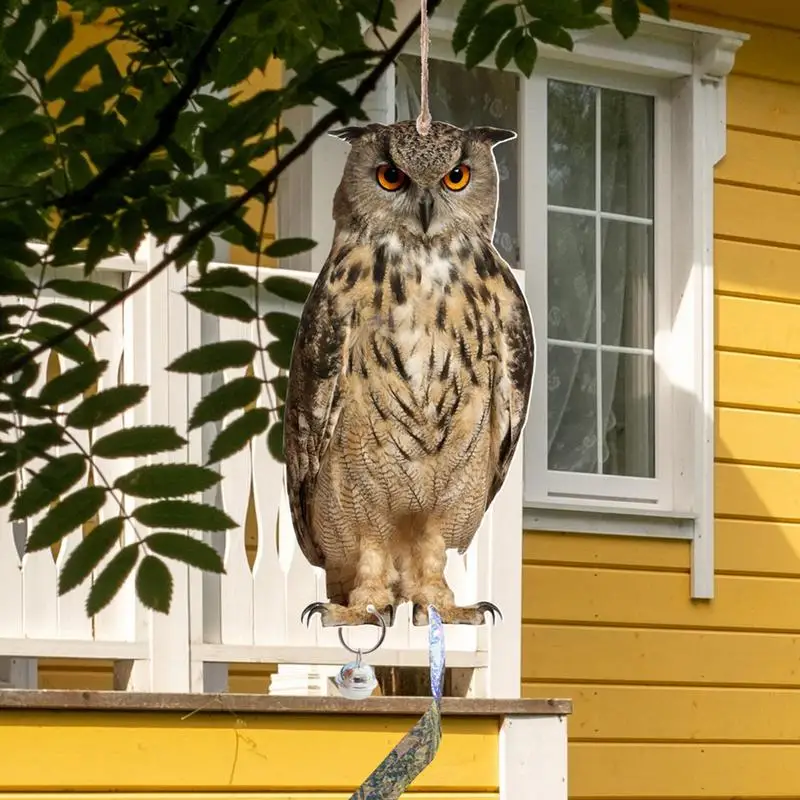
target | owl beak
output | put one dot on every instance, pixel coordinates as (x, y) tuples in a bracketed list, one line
[(426, 211)]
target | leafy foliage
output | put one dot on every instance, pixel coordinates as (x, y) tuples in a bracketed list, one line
[(514, 31), (127, 138)]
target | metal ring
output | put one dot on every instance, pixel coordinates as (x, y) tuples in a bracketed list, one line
[(372, 610)]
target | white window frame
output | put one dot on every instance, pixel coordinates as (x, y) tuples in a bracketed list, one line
[(684, 66), (557, 490)]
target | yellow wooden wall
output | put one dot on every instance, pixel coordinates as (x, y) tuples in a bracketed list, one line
[(100, 755), (675, 698)]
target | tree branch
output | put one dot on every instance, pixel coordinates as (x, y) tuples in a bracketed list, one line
[(131, 160), (193, 238)]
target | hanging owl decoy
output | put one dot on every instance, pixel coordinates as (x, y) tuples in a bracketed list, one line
[(411, 374)]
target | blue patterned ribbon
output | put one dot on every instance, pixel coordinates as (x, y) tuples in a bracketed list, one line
[(419, 746)]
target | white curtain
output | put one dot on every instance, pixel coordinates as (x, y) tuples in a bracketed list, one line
[(626, 298)]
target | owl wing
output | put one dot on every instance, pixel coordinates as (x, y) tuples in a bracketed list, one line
[(313, 403), (512, 386)]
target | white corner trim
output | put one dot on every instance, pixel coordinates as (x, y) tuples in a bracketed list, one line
[(533, 758)]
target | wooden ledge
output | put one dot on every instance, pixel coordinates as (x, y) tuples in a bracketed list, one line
[(51, 700)]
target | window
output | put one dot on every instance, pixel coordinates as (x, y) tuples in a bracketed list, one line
[(606, 212), (590, 225)]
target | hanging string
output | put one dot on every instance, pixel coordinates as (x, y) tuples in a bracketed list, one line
[(424, 118)]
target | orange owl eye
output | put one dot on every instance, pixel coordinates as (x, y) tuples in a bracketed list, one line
[(457, 178), (390, 178)]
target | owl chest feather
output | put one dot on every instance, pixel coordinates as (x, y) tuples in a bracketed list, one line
[(422, 358)]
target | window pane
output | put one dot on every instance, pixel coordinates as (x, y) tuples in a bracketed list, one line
[(572, 409), (571, 138), (464, 98), (628, 415), (626, 303), (571, 277), (626, 164)]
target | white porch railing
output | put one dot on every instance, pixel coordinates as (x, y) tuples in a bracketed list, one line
[(252, 612)]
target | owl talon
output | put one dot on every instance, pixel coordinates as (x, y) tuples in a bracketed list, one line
[(459, 615), (486, 607), (310, 610), (333, 615)]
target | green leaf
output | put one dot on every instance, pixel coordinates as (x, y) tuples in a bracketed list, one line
[(38, 440), (71, 383), (61, 83), (283, 248), (237, 393), (8, 486), (13, 281), (288, 288), (238, 433), (550, 33), (282, 326), (221, 304), (143, 440), (507, 47), (224, 278), (104, 406), (99, 242), (47, 485), (167, 480), (626, 16), (659, 7), (131, 230), (471, 13), (154, 584), (91, 550), (215, 357), (72, 347), (525, 55), (16, 108), (71, 315), (281, 385), (488, 33), (63, 518), (110, 580), (82, 290), (205, 254), (183, 514), (18, 35), (280, 353), (80, 173), (187, 549), (48, 48), (275, 442)]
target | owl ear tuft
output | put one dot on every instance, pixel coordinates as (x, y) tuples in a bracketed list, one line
[(493, 136), (353, 133)]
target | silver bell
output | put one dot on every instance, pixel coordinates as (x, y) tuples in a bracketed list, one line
[(356, 680)]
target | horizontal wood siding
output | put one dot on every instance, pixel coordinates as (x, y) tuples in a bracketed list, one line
[(675, 698), (145, 754)]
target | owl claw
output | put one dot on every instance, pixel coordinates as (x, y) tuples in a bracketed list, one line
[(459, 615), (310, 610), (333, 615), (486, 607)]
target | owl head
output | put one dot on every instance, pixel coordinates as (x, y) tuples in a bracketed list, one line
[(426, 186)]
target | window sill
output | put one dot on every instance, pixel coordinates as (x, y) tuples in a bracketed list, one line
[(557, 518)]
